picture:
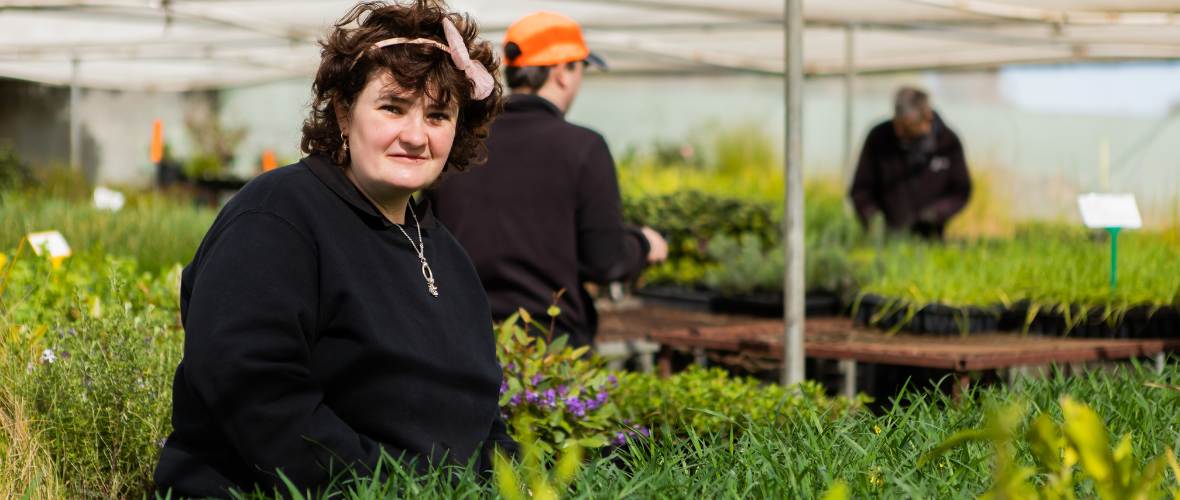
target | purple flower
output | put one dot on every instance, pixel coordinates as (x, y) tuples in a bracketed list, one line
[(511, 367), (537, 379), (597, 402), (503, 386), (531, 397), (620, 438), (550, 399), (643, 430), (614, 381), (562, 389), (515, 400), (575, 406)]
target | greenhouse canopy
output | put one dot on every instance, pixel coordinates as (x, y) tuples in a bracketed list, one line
[(200, 44)]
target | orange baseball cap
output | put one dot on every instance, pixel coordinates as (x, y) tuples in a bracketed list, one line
[(547, 39)]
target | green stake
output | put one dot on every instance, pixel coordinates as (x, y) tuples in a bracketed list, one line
[(1114, 256)]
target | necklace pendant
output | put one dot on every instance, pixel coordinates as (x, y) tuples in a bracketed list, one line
[(429, 275)]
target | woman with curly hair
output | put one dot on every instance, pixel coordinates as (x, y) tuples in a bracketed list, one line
[(328, 317)]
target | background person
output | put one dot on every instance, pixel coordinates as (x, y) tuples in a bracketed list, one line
[(912, 170), (326, 317), (545, 213)]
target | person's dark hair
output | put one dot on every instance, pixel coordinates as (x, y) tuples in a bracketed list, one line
[(529, 78), (342, 76), (910, 101)]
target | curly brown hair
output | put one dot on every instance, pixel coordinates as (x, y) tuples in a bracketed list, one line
[(341, 76)]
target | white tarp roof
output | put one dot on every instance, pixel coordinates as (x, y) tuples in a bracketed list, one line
[(189, 44)]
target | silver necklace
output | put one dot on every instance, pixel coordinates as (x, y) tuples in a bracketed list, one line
[(420, 248)]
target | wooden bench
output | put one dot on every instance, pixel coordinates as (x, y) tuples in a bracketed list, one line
[(746, 338)]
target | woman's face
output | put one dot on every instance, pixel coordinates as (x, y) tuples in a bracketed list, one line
[(399, 140)]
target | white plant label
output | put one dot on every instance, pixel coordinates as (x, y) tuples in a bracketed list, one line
[(49, 241), (1103, 210), (108, 199)]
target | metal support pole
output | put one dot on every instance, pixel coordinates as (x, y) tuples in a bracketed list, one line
[(848, 368), (75, 118), (793, 211), (849, 92)]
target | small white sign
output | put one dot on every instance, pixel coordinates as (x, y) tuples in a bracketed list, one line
[(1103, 210), (49, 241), (108, 199)]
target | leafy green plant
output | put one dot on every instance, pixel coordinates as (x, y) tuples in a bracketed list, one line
[(101, 391), (89, 347), (710, 400), (744, 265), (688, 220), (716, 240), (561, 393)]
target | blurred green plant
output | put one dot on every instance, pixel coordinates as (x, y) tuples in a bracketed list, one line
[(530, 478), (157, 231), (1058, 448), (1048, 268), (14, 173), (203, 166)]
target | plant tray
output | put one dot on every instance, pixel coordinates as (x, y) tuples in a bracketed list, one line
[(1138, 323), (818, 303), (931, 318), (675, 296)]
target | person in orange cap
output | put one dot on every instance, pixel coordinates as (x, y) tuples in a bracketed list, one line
[(544, 214)]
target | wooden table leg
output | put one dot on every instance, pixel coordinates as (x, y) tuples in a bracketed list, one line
[(962, 383), (664, 361)]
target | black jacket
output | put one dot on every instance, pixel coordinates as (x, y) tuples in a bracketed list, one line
[(903, 184), (311, 342), (543, 214)]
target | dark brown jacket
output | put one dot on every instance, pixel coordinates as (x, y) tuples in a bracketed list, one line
[(543, 214), (914, 190)]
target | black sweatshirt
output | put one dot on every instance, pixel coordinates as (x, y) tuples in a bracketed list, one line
[(311, 342), (901, 185), (543, 214)]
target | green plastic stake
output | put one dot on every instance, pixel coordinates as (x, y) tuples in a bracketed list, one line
[(1114, 256)]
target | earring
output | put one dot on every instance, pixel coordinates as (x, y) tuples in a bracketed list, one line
[(344, 140)]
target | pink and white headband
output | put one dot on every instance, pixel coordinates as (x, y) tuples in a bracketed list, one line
[(482, 82)]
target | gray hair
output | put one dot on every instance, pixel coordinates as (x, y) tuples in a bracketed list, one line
[(910, 101)]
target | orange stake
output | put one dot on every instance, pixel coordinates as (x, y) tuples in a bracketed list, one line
[(268, 160), (157, 141)]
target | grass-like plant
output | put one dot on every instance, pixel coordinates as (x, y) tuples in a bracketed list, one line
[(156, 231)]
